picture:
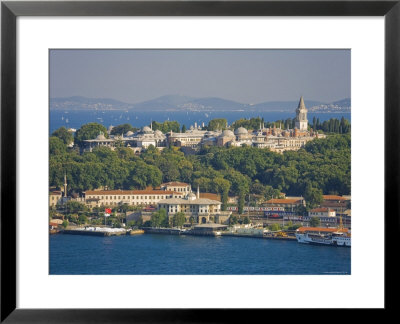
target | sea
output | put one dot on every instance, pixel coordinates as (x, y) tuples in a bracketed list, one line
[(159, 254), (75, 119)]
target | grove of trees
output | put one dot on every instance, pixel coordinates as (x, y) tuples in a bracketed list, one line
[(323, 166)]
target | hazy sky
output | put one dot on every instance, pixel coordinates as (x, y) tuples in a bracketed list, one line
[(247, 76)]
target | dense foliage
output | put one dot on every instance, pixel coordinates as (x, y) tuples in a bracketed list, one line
[(322, 166)]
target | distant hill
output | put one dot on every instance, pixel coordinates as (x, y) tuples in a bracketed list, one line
[(185, 103), (343, 105), (83, 103)]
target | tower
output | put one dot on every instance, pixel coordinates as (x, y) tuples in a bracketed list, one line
[(198, 192), (301, 116), (65, 185)]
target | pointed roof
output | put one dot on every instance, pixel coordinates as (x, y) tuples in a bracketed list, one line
[(301, 104)]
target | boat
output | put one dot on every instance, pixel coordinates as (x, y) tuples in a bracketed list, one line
[(324, 236)]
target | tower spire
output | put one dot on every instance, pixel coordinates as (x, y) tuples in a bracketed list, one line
[(65, 185)]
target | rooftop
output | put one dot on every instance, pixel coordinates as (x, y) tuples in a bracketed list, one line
[(179, 201), (334, 197), (283, 201), (321, 229), (132, 192)]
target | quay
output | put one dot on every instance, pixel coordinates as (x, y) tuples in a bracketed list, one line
[(267, 237), (135, 232), (155, 230), (95, 231)]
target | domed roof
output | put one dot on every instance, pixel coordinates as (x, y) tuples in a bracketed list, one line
[(147, 129), (191, 196), (129, 133), (158, 132), (101, 137), (241, 131), (227, 133)]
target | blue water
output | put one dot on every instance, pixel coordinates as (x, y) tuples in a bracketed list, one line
[(195, 255), (75, 119)]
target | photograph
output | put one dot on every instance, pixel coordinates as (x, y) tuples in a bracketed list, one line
[(199, 161)]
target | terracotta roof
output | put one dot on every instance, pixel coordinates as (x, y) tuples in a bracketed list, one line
[(283, 201), (334, 197), (321, 229), (55, 193), (175, 184), (132, 192), (318, 210), (211, 196), (53, 224)]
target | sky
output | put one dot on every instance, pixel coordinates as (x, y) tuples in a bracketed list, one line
[(246, 76)]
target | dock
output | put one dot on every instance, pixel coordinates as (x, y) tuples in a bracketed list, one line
[(95, 231)]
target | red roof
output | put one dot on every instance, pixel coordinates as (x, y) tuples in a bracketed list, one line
[(321, 229), (132, 192), (175, 184), (319, 210), (211, 196), (334, 197), (283, 201)]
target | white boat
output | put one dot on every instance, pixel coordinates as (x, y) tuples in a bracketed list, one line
[(334, 238)]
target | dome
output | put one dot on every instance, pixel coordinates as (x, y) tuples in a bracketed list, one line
[(241, 131), (191, 196), (158, 132), (227, 133), (100, 137), (146, 129), (129, 133)]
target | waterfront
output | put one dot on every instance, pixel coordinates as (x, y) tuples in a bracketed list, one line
[(154, 254)]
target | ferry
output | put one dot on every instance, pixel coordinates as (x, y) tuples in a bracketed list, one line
[(320, 236)]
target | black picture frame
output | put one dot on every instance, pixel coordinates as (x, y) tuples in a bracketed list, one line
[(10, 10)]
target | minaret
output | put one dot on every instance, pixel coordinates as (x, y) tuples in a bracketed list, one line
[(198, 192), (301, 116), (65, 185)]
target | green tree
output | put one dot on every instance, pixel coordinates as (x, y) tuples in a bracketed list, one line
[(159, 218), (313, 196), (75, 206), (246, 220), (56, 146), (123, 129), (233, 220), (65, 223), (89, 131), (315, 221), (217, 124), (179, 219), (63, 134)]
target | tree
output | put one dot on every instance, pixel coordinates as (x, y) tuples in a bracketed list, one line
[(75, 206), (241, 202), (217, 124), (65, 223), (64, 134), (183, 128), (179, 219), (246, 220), (56, 146), (122, 129), (315, 221), (313, 196), (233, 220), (158, 218), (89, 131)]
